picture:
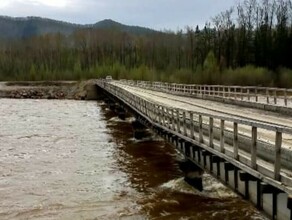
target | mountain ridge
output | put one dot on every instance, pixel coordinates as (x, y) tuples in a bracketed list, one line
[(24, 27)]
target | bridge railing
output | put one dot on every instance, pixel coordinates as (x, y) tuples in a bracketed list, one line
[(264, 95), (213, 133)]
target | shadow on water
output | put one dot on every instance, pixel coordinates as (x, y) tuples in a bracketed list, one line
[(153, 172)]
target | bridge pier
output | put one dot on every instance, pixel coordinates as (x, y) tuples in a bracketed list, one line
[(193, 174), (140, 131), (121, 112)]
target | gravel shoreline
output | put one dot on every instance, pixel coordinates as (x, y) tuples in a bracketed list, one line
[(83, 90)]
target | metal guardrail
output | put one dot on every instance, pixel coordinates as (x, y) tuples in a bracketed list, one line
[(264, 95), (190, 125)]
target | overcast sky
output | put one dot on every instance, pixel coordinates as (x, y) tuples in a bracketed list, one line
[(157, 14)]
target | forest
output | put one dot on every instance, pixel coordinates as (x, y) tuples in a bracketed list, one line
[(248, 44)]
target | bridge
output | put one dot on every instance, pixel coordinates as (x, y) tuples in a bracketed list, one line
[(240, 135)]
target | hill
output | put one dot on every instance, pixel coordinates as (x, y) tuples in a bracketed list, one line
[(16, 28)]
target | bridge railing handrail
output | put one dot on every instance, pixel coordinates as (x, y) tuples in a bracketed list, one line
[(267, 95), (178, 118)]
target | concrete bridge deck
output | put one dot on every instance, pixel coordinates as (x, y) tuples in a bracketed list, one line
[(216, 108), (255, 141)]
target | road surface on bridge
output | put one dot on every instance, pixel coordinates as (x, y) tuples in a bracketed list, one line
[(219, 109)]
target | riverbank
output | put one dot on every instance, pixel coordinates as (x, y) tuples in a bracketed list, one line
[(77, 90)]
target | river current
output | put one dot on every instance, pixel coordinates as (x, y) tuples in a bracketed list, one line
[(62, 159)]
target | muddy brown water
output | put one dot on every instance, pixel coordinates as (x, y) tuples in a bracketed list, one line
[(77, 160)]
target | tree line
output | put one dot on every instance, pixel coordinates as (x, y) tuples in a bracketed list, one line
[(250, 43)]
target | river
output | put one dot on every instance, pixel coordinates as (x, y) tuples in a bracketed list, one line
[(62, 159)]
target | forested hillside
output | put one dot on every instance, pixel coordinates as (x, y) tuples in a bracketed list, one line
[(249, 44)]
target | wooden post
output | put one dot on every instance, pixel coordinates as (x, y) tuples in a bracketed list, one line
[(166, 121), (285, 97), (146, 112), (222, 136), (173, 119), (163, 116), (235, 140), (159, 115), (256, 95), (178, 120), (150, 110), (192, 126), (248, 94), (184, 123), (253, 150), (168, 117), (278, 144), (211, 135), (153, 112), (267, 93), (201, 140), (241, 93), (275, 97)]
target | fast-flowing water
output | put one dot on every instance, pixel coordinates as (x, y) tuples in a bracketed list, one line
[(76, 160)]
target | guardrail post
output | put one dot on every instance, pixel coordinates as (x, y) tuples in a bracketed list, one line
[(235, 140), (166, 121), (278, 144), (253, 149), (184, 123), (235, 93), (192, 125), (211, 134), (285, 97), (157, 114), (150, 110), (167, 117), (275, 97), (201, 139), (172, 120), (267, 94), (222, 136), (146, 108), (256, 95), (178, 120), (164, 111), (162, 116)]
